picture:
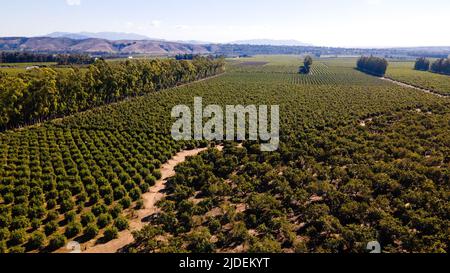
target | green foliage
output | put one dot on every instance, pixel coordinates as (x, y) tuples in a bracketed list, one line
[(200, 241), (36, 240), (401, 71), (104, 220), (121, 223), (17, 250), (360, 159), (44, 93), (18, 237), (56, 242), (87, 218), (333, 186), (91, 231), (125, 202), (25, 57), (4, 234), (3, 247), (50, 227), (422, 64), (307, 63), (111, 233), (441, 66), (372, 65), (267, 245), (73, 229)]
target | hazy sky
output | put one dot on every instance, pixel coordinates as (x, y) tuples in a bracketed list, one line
[(362, 23)]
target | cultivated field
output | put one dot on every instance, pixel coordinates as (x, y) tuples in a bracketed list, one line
[(404, 72), (361, 159), (14, 69)]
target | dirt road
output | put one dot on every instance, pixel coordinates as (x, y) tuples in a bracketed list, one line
[(414, 87), (150, 199)]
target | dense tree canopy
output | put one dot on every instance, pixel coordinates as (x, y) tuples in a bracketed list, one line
[(74, 59), (332, 186), (360, 159), (60, 59), (45, 93), (26, 57), (307, 63), (422, 64), (372, 65), (441, 66), (180, 57)]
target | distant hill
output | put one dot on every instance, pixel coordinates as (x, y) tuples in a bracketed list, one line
[(81, 43), (194, 42), (75, 36), (270, 42), (115, 36), (112, 36), (93, 45)]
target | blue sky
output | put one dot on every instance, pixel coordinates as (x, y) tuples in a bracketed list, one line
[(362, 23)]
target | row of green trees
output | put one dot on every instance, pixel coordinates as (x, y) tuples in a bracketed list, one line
[(180, 57), (46, 93), (372, 65), (439, 66), (70, 59), (422, 64), (26, 57), (60, 59)]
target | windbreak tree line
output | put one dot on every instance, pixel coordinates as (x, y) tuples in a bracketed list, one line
[(422, 64), (26, 57), (372, 65), (69, 59), (60, 59), (441, 66), (180, 57), (45, 93)]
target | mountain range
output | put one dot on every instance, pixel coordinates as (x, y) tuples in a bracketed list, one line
[(117, 36), (271, 42), (94, 45), (125, 43), (118, 44), (112, 36)]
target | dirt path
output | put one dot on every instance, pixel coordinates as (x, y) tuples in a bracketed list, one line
[(414, 87), (150, 199)]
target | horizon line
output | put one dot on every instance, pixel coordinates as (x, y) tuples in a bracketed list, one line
[(222, 43)]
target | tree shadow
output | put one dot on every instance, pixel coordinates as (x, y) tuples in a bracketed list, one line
[(82, 239), (151, 218)]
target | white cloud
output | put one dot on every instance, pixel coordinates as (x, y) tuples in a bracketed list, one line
[(156, 23), (73, 2), (374, 2), (182, 27)]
